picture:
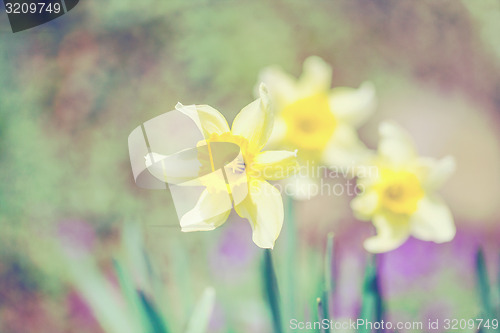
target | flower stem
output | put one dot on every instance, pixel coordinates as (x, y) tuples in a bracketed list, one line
[(372, 308), (483, 283), (321, 312), (272, 291), (328, 283), (291, 259)]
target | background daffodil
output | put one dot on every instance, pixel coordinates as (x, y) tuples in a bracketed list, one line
[(249, 192), (318, 121), (398, 193)]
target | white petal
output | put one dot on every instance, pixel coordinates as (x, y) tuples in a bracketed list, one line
[(392, 231), (435, 173), (153, 158), (345, 150), (353, 106), (316, 77), (433, 221), (282, 87), (211, 211), (365, 205), (208, 119), (275, 164), (396, 145), (278, 133), (177, 168), (264, 210), (255, 121)]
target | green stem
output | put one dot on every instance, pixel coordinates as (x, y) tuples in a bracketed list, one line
[(291, 256), (372, 308), (498, 286), (321, 314), (272, 291), (483, 283), (328, 277)]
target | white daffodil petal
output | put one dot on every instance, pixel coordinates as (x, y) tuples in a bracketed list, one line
[(432, 221), (174, 169), (264, 210), (395, 146), (255, 121), (153, 158), (282, 87), (208, 119), (278, 133), (211, 211), (436, 172), (365, 205), (316, 77), (275, 165), (345, 150), (353, 106), (392, 231)]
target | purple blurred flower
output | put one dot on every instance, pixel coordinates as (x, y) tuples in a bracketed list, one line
[(234, 252)]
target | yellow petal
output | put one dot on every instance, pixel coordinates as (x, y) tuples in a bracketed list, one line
[(208, 119), (255, 121), (396, 146), (316, 77), (433, 221), (353, 106), (282, 87), (365, 205), (275, 165), (392, 231), (211, 211), (263, 208)]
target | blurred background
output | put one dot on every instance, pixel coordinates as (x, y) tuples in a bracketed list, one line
[(73, 89)]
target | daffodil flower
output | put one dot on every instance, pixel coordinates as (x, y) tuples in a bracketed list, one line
[(318, 121), (398, 194), (244, 182)]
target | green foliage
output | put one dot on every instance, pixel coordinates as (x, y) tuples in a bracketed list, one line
[(271, 291), (328, 282), (483, 284), (137, 309), (201, 315), (372, 308)]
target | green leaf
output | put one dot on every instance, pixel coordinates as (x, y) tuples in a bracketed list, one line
[(498, 286), (329, 283), (483, 284), (97, 291), (271, 290), (321, 312), (327, 278), (133, 250), (129, 293), (157, 324), (372, 308), (290, 283), (201, 316)]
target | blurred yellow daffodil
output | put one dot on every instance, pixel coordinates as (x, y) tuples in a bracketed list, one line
[(243, 184), (318, 121), (398, 193)]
